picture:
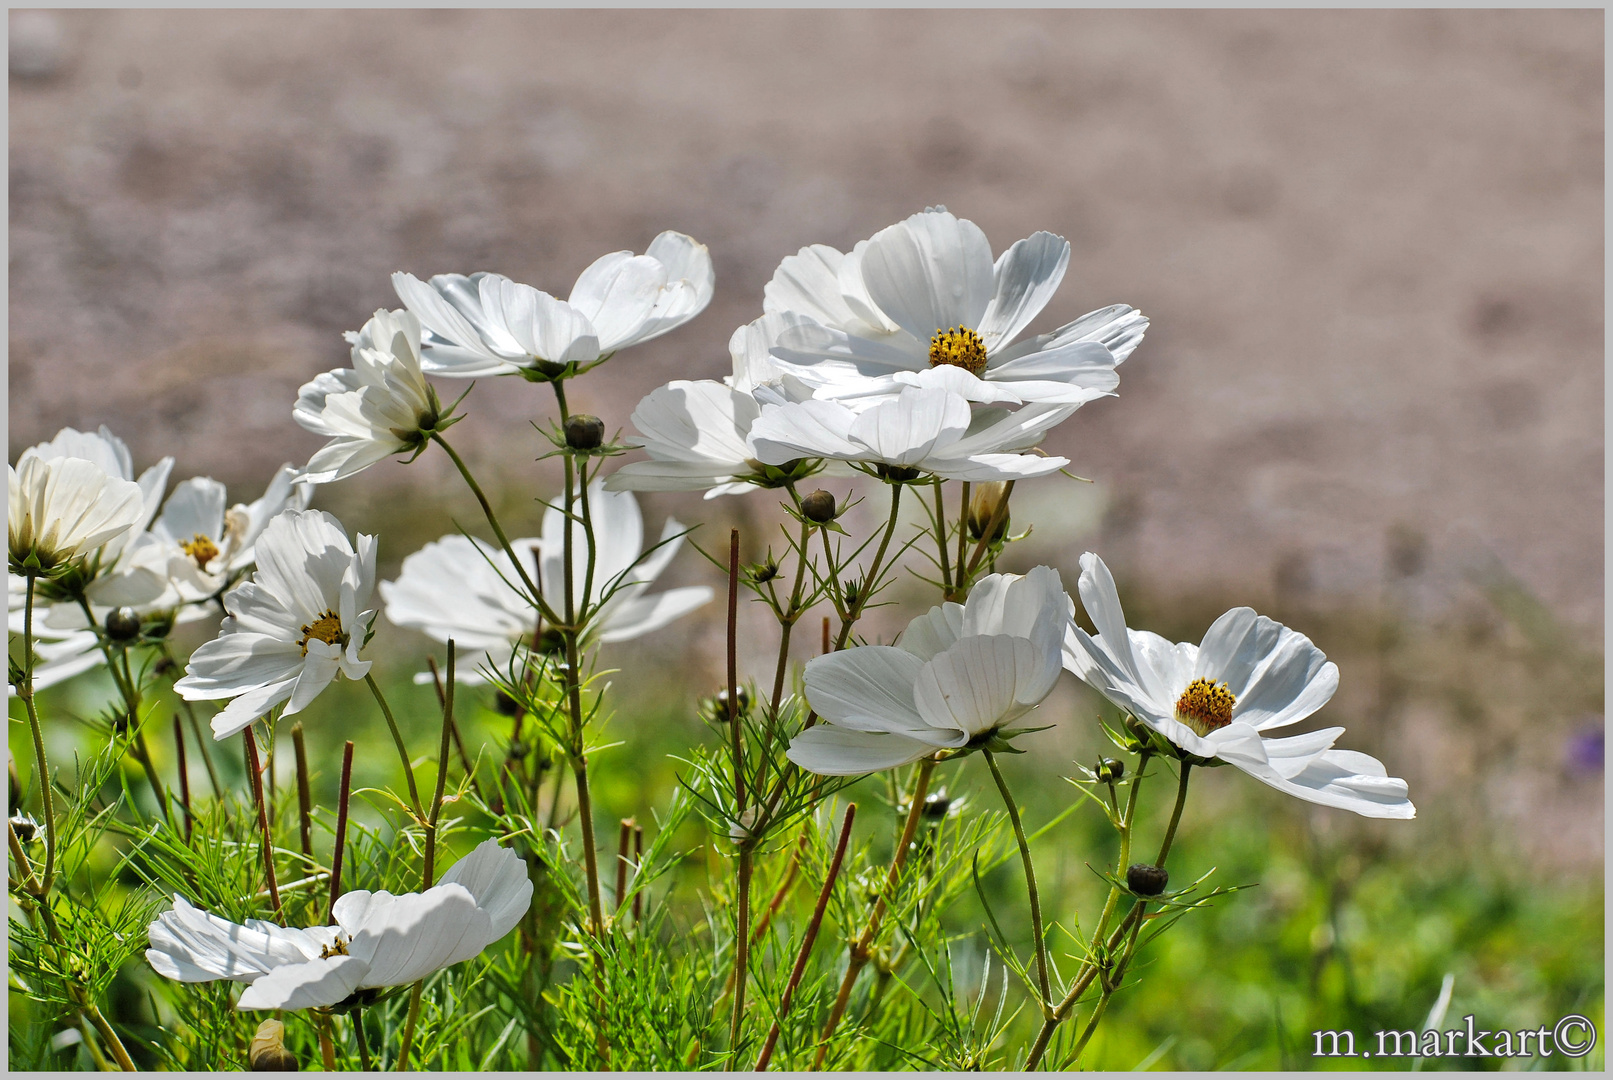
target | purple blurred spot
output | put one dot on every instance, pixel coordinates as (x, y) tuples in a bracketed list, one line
[(1586, 750)]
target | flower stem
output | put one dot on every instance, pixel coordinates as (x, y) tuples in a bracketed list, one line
[(860, 953), (184, 774), (113, 1043), (305, 802), (941, 539), (746, 842), (195, 728), (854, 612), (41, 765), (342, 797), (807, 941), (1176, 814), (363, 1042), (408, 1026), (498, 530), (1030, 880), (787, 624), (990, 530), (397, 738), (256, 778)]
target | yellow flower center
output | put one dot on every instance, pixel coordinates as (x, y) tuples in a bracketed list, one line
[(327, 628), (201, 548), (959, 347), (1205, 706), (339, 948)]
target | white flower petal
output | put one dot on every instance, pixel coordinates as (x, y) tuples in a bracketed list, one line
[(309, 985), (1026, 277), (497, 879), (869, 687), (933, 632), (828, 750), (930, 272), (981, 683), (420, 933), (641, 615)]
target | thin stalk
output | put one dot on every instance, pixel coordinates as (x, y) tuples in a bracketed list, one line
[(638, 860), (41, 764), (397, 738), (113, 1043), (498, 530), (453, 727), (941, 538), (623, 842), (342, 796), (963, 538), (184, 775), (327, 1049), (1030, 880), (408, 1026), (808, 940), (741, 944), (263, 822), (427, 874), (860, 948), (195, 727), (305, 802), (787, 624), (742, 885), (874, 569), (1176, 815), (363, 1041)]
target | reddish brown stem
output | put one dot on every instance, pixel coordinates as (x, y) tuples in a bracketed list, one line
[(184, 774), (625, 839), (263, 823), (807, 941), (305, 802), (638, 860), (342, 798)]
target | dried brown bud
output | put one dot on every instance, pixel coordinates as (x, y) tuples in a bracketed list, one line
[(268, 1052)]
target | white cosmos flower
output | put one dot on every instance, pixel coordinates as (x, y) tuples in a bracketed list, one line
[(207, 544), (379, 939), (293, 628), (927, 430), (958, 676), (486, 324), (61, 653), (380, 406), (924, 295), (1250, 675), (65, 508), (467, 590)]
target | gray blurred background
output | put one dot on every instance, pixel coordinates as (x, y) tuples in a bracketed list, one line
[(1371, 244)]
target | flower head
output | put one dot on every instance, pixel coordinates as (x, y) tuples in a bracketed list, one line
[(63, 509), (1217, 699), (467, 590), (380, 406), (379, 939), (922, 303), (293, 628), (486, 324), (957, 678), (922, 431), (208, 544)]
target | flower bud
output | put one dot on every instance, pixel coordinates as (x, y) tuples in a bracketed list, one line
[(584, 432), (25, 827), (1110, 770), (123, 625), (268, 1052), (1146, 880), (741, 700), (819, 507), (983, 506)]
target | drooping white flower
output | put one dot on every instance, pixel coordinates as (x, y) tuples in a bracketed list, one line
[(486, 324), (292, 629), (379, 939), (206, 544), (1250, 675), (63, 509), (923, 296), (958, 676), (467, 590), (380, 406), (924, 430)]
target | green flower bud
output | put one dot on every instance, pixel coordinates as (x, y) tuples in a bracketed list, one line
[(584, 432), (1110, 770), (819, 507), (123, 625)]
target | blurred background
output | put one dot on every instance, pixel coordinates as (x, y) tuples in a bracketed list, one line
[(1370, 403)]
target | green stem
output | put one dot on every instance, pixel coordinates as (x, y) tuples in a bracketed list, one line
[(996, 521), (397, 738), (363, 1041), (41, 764), (1030, 879), (498, 530), (872, 578), (941, 539), (1176, 815), (408, 1026)]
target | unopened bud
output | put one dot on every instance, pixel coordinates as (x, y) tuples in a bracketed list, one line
[(983, 506), (123, 625), (937, 804), (268, 1052), (819, 507), (1110, 770), (584, 432), (741, 700), (1146, 880)]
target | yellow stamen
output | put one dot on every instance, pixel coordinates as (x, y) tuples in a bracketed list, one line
[(337, 949), (327, 628), (201, 548), (959, 347), (1205, 706)]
